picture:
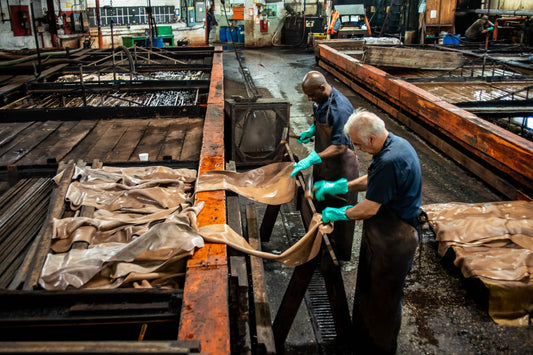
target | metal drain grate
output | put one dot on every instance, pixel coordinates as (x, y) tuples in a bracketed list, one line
[(316, 300), (316, 297)]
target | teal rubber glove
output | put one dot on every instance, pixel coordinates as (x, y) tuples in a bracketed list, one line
[(324, 187), (306, 163), (305, 137), (490, 28), (330, 214)]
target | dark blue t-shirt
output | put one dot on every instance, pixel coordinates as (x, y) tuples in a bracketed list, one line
[(339, 111), (395, 178)]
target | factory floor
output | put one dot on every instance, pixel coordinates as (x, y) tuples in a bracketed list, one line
[(442, 312)]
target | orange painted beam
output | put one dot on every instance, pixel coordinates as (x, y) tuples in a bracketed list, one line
[(205, 310), (505, 151)]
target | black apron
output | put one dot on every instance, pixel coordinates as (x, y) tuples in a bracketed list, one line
[(388, 246), (345, 165)]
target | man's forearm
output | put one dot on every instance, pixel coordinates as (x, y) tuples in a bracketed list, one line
[(332, 151), (363, 210), (358, 184)]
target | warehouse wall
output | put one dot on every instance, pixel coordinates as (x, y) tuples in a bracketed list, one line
[(8, 39)]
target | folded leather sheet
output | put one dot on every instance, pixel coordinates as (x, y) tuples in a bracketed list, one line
[(299, 253), (107, 265), (143, 189), (104, 227), (492, 242), (270, 184)]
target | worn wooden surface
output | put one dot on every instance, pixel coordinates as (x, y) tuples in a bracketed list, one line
[(97, 347), (500, 150), (411, 58), (205, 313), (263, 324), (117, 140)]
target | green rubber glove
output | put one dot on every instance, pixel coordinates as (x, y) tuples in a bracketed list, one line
[(324, 187), (305, 137), (306, 163), (330, 214), (490, 28)]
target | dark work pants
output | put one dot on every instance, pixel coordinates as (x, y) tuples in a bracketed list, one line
[(388, 247)]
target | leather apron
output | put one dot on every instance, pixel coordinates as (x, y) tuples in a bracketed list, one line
[(345, 165), (388, 247)]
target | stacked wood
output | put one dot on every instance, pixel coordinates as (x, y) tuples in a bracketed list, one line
[(395, 57), (23, 211)]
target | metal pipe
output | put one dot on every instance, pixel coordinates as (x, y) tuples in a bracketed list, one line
[(503, 12), (34, 56), (98, 23), (36, 38), (52, 23)]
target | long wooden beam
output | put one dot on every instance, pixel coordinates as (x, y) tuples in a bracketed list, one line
[(505, 152), (205, 312)]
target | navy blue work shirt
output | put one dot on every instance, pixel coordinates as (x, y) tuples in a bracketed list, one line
[(340, 108), (395, 178)]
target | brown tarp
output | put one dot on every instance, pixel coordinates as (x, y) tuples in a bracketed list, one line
[(270, 184), (492, 242)]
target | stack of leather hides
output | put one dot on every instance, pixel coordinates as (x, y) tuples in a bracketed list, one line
[(144, 225), (492, 242)]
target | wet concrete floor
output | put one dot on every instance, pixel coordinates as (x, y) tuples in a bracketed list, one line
[(442, 312)]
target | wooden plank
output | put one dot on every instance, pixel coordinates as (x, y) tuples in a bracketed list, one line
[(239, 305), (81, 150), (59, 145), (263, 324), (20, 137), (205, 313), (42, 152), (108, 141), (29, 272), (55, 210), (411, 58), (152, 140), (192, 140), (173, 143), (8, 131), (125, 147), (26, 142), (96, 347)]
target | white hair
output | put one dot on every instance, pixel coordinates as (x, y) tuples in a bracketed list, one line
[(364, 123)]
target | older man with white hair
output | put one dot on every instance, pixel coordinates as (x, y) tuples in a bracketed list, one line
[(390, 237)]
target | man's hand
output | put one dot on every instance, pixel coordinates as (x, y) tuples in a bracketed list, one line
[(305, 137), (324, 187), (306, 163), (330, 214)]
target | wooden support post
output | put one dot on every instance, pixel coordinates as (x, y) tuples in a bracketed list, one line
[(269, 220), (292, 299)]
